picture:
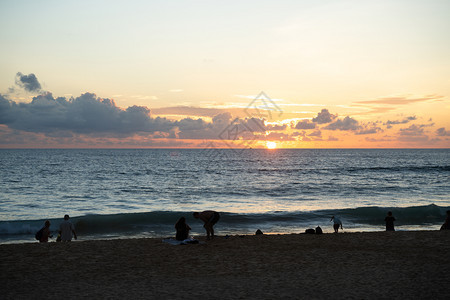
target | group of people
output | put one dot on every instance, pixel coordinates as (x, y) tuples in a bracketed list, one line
[(389, 222), (337, 223), (66, 231), (209, 218)]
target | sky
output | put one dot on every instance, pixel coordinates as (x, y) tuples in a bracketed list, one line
[(238, 74)]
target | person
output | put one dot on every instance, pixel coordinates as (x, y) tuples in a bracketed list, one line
[(337, 223), (182, 229), (319, 230), (210, 218), (66, 229), (45, 233), (389, 222), (446, 224)]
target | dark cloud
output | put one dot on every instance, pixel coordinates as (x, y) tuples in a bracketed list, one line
[(28, 82), (303, 133), (305, 124), (442, 132), (276, 127), (389, 123), (413, 130), (98, 117), (347, 123), (324, 117), (369, 128), (377, 140), (279, 136), (6, 106), (222, 119), (86, 114), (369, 131), (316, 133)]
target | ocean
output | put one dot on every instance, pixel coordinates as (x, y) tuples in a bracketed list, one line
[(132, 193)]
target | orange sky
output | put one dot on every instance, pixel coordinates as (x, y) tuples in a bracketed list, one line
[(183, 74)]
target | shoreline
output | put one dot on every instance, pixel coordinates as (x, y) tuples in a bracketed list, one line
[(369, 265), (28, 239)]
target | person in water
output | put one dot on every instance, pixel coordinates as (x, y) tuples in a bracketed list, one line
[(336, 223), (45, 233), (182, 229), (389, 222), (210, 218), (446, 224)]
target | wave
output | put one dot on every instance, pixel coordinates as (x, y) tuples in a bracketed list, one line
[(162, 222)]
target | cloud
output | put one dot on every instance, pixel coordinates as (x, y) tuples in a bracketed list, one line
[(279, 136), (86, 114), (347, 123), (402, 100), (275, 127), (369, 128), (305, 124), (386, 104), (324, 116), (28, 82), (316, 133), (396, 122), (442, 132), (100, 117), (377, 140), (413, 130), (369, 131)]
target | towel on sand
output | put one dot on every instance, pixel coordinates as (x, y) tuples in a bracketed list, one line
[(183, 242)]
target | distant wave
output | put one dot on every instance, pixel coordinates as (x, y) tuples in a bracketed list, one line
[(162, 222)]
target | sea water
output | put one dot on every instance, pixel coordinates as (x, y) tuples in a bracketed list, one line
[(117, 193)]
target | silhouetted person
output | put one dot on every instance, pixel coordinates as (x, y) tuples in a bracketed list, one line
[(45, 233), (210, 218), (66, 229), (336, 224), (319, 230), (446, 224), (182, 229), (389, 222)]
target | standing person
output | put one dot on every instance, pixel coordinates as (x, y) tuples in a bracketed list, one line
[(446, 224), (182, 229), (389, 222), (210, 218), (66, 229), (337, 223)]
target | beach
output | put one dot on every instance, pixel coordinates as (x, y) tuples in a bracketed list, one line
[(369, 265)]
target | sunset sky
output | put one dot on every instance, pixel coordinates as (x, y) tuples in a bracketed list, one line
[(196, 74)]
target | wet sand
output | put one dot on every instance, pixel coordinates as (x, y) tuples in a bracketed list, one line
[(378, 265)]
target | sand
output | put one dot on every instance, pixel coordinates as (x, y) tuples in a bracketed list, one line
[(378, 265)]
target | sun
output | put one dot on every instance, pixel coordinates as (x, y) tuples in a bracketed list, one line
[(271, 145)]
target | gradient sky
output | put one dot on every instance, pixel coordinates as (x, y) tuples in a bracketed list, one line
[(365, 74)]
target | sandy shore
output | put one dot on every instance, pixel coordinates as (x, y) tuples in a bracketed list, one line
[(381, 265)]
